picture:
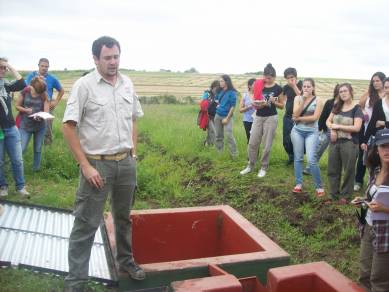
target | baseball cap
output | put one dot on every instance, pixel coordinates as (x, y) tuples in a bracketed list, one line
[(382, 137)]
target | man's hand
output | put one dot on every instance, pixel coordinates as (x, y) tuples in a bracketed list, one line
[(92, 176), (364, 147), (225, 121), (291, 82), (53, 104)]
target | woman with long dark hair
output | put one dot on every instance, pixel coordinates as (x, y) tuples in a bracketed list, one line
[(374, 224), (344, 123), (265, 122), (367, 102), (246, 107), (226, 100), (305, 135)]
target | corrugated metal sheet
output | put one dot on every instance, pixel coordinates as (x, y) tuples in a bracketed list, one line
[(38, 238)]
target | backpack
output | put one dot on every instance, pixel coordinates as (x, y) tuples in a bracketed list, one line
[(212, 104)]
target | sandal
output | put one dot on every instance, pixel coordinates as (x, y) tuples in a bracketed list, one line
[(297, 189), (320, 193)]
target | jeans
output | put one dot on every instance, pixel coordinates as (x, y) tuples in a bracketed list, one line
[(12, 145), (247, 127), (219, 127), (310, 140), (38, 141), (120, 181), (286, 140), (324, 141)]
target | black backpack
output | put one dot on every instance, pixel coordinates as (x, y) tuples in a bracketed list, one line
[(212, 104)]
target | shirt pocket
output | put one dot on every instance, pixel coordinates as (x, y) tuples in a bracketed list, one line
[(96, 111), (126, 106)]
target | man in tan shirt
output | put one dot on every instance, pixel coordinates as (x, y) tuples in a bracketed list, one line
[(100, 127)]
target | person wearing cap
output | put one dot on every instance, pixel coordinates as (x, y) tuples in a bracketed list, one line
[(52, 83), (100, 126), (374, 223)]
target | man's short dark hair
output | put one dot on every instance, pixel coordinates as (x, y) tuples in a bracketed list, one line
[(103, 41), (290, 71), (45, 60)]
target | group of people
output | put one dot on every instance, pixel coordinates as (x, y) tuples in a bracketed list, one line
[(100, 126), (36, 92), (357, 135)]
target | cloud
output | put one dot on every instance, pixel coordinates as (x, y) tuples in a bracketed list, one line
[(327, 38)]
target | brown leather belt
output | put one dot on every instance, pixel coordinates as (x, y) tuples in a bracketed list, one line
[(111, 157)]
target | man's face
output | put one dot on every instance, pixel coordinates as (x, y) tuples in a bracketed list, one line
[(108, 63), (43, 68), (291, 79)]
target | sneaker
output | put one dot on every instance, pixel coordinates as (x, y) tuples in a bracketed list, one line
[(320, 192), (3, 191), (297, 189), (134, 271), (357, 187), (261, 173), (246, 170), (23, 192)]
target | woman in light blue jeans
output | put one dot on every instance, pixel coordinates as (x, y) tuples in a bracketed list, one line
[(305, 134)]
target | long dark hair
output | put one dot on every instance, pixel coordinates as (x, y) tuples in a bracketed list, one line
[(373, 162), (336, 91), (228, 81), (339, 105), (373, 93), (214, 84)]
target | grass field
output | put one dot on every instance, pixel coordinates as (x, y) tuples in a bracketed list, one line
[(175, 170)]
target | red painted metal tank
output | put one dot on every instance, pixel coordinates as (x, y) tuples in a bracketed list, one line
[(179, 244)]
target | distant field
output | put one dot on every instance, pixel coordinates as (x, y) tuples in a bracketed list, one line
[(182, 85)]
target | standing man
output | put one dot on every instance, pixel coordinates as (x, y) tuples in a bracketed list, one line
[(51, 83), (290, 91), (100, 127)]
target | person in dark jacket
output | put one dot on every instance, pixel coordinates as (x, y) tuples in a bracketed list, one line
[(379, 117), (11, 140), (367, 102)]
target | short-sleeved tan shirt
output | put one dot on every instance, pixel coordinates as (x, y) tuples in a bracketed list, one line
[(104, 113)]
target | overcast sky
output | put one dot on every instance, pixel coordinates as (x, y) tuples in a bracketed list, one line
[(327, 38)]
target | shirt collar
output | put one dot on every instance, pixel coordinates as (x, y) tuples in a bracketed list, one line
[(100, 78)]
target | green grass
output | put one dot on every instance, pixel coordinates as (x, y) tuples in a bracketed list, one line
[(175, 170)]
